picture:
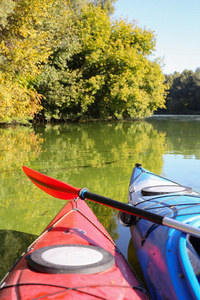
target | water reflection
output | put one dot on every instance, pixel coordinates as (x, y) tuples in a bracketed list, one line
[(18, 145), (182, 134), (100, 152), (99, 156)]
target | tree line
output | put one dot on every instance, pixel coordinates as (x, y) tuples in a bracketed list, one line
[(183, 93), (70, 60)]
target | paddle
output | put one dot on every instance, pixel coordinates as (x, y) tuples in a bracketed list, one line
[(65, 191)]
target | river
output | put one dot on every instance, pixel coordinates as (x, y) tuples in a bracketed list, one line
[(99, 156)]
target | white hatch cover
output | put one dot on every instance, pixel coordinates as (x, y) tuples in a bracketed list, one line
[(77, 259), (165, 189)]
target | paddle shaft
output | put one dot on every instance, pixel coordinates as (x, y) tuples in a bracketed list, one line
[(171, 223), (65, 191), (84, 193)]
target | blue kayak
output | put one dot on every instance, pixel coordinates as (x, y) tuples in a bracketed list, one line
[(169, 258)]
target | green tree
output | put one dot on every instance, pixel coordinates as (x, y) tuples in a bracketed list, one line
[(6, 8), (184, 92), (107, 5), (108, 74), (30, 31)]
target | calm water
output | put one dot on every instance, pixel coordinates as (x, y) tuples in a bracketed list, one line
[(99, 156)]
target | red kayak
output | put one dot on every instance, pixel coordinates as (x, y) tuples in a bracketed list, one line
[(74, 258)]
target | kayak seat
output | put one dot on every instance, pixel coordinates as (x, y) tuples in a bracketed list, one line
[(126, 220), (165, 189), (193, 251), (71, 259)]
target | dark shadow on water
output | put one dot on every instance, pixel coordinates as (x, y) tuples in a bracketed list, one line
[(125, 243), (12, 245), (134, 262)]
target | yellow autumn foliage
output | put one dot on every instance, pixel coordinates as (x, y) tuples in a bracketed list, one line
[(26, 42)]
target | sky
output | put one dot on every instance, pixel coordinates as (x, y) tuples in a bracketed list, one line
[(176, 24)]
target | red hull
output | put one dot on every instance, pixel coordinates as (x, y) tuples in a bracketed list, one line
[(74, 225)]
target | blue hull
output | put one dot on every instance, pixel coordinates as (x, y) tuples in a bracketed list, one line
[(170, 259)]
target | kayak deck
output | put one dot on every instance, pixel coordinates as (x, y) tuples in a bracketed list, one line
[(74, 258)]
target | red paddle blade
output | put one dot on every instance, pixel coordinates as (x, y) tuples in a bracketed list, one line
[(51, 186)]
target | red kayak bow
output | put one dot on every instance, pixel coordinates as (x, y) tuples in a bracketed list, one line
[(73, 259)]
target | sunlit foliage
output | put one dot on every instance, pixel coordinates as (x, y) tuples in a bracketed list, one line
[(70, 60), (29, 32), (106, 5), (108, 74)]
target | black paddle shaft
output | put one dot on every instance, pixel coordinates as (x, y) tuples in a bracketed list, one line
[(84, 193), (64, 191)]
